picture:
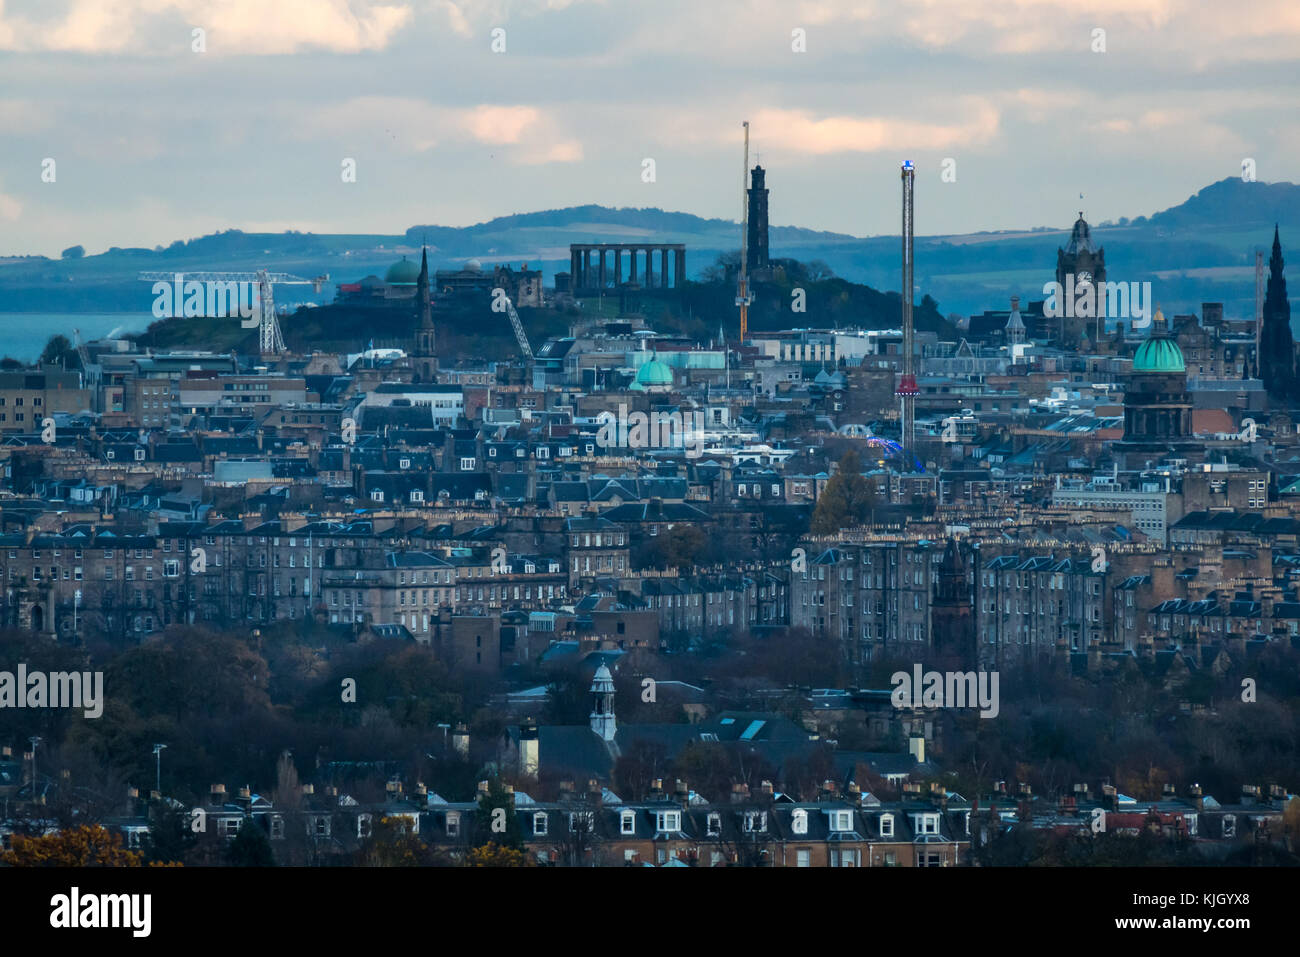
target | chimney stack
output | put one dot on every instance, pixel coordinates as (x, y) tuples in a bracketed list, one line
[(739, 793), (217, 794)]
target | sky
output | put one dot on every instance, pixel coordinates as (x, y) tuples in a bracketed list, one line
[(170, 119)]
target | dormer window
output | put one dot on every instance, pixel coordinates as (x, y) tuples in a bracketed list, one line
[(841, 820), (927, 824), (886, 825), (627, 822), (1229, 825), (668, 821), (453, 824), (714, 824), (539, 824), (799, 821), (755, 821)]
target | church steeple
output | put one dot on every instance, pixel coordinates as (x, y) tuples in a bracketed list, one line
[(425, 353), (422, 291)]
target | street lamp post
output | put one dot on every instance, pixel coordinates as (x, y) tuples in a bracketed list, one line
[(157, 753), (35, 740)]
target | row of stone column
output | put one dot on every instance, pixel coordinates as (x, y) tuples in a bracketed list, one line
[(583, 276)]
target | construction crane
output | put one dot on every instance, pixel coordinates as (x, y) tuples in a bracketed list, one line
[(743, 298), (270, 341), (522, 339), (907, 390)]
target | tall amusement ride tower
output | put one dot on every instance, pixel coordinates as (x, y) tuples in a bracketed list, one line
[(907, 390)]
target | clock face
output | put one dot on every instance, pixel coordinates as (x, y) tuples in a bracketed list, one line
[(1084, 278)]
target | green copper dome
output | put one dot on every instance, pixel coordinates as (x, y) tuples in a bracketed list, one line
[(654, 373), (1159, 354), (403, 273)]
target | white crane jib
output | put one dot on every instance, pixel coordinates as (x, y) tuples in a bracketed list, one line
[(270, 341)]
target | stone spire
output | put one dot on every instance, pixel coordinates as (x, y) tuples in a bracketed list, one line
[(425, 354), (1277, 345)]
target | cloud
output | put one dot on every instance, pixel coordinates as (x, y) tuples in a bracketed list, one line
[(233, 27), (802, 133), (529, 134), (10, 208)]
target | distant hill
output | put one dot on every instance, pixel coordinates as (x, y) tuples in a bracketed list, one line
[(1201, 249)]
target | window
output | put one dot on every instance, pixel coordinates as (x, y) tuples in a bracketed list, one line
[(755, 821), (927, 824), (841, 820), (1229, 825), (886, 825), (799, 823), (453, 824), (668, 821), (803, 857), (714, 824), (539, 823), (627, 822)]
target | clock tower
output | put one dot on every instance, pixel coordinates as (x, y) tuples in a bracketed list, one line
[(1081, 264)]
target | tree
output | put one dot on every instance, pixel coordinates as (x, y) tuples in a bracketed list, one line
[(250, 848), (87, 846), (683, 545), (59, 351), (171, 839), (496, 855), (638, 766), (73, 252), (579, 841), (497, 818), (391, 844), (847, 499)]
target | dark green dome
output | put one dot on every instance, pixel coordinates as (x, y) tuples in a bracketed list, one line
[(403, 273), (1159, 354)]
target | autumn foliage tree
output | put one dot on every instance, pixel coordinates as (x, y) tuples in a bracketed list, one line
[(847, 499), (86, 846), (497, 855)]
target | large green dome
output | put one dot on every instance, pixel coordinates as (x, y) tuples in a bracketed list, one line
[(1159, 354), (654, 373), (403, 273)]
